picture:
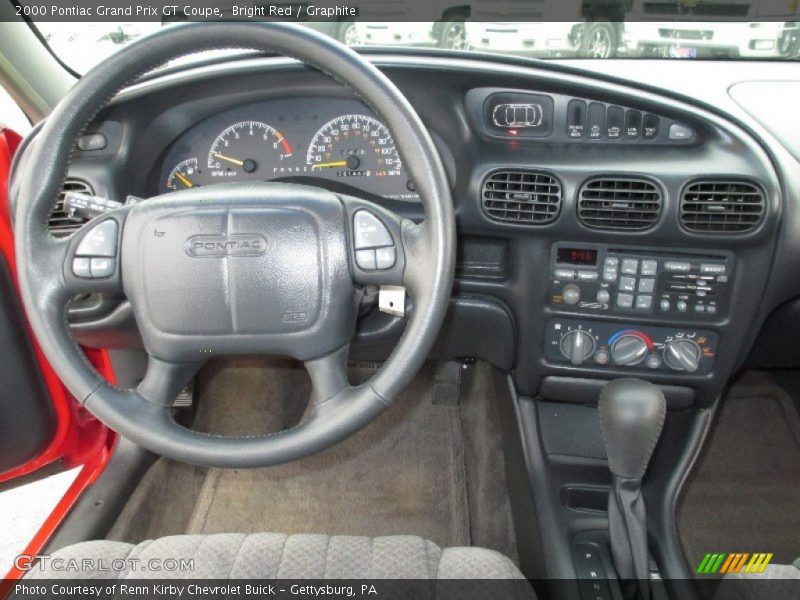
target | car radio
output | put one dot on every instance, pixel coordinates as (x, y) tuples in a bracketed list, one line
[(603, 278)]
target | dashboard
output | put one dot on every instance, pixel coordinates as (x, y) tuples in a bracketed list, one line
[(605, 228), (334, 143)]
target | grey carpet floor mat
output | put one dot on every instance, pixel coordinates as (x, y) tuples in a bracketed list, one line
[(744, 495), (421, 468)]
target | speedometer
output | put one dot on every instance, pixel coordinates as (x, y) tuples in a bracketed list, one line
[(354, 146)]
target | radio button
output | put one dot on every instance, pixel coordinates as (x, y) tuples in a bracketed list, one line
[(603, 296), (647, 285), (712, 269), (644, 302), (630, 266), (610, 274), (564, 273), (649, 267), (677, 266), (587, 275), (627, 284), (625, 300)]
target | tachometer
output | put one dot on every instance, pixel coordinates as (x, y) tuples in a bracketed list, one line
[(183, 175), (247, 148), (354, 146)]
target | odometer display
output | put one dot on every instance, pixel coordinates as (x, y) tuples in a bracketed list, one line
[(354, 146)]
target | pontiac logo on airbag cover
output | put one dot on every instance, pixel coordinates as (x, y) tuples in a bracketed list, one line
[(233, 244)]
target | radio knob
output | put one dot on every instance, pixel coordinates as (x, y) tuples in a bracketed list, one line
[(577, 345), (571, 294), (683, 355), (628, 350)]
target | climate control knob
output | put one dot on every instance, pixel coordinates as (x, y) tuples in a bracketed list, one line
[(577, 345), (628, 349), (683, 355)]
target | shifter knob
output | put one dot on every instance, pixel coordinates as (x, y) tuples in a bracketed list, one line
[(632, 413)]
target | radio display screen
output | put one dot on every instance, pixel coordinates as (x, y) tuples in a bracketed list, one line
[(585, 257)]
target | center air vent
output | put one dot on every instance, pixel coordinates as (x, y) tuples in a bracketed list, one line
[(60, 223), (521, 197), (619, 203), (721, 207)]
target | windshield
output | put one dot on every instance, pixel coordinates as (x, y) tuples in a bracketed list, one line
[(81, 45)]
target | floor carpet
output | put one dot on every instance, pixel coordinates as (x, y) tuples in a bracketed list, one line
[(744, 495), (428, 469)]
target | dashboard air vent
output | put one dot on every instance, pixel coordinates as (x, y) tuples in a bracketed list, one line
[(619, 203), (60, 223), (524, 197), (721, 207)]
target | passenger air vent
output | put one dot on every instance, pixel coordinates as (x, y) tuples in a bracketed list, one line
[(60, 223), (619, 204), (721, 207), (524, 197)]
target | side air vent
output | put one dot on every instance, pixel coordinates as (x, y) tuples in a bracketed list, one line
[(60, 223), (619, 203), (524, 197), (721, 207)]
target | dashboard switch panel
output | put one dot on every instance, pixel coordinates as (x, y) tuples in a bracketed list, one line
[(579, 342), (605, 279)]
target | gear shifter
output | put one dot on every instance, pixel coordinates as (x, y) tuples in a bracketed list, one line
[(632, 414)]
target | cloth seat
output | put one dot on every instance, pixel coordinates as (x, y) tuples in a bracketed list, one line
[(276, 556)]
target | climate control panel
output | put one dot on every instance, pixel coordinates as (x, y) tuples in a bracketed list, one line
[(597, 344)]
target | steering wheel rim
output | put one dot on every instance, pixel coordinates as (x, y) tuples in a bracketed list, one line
[(143, 414)]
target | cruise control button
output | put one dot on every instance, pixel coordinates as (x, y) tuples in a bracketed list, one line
[(101, 240), (102, 267), (630, 266), (80, 267), (385, 257), (369, 231), (366, 259), (625, 300)]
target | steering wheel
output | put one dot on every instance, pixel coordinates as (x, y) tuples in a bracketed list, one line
[(230, 269)]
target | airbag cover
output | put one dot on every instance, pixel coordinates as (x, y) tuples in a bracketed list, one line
[(256, 268)]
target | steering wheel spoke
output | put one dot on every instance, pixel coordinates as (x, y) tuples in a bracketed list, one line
[(91, 256), (164, 380), (328, 375)]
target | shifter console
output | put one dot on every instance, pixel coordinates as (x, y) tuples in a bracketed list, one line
[(612, 345)]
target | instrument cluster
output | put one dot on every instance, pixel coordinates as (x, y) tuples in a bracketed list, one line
[(330, 142)]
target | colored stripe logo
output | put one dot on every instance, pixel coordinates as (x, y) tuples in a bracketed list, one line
[(734, 562)]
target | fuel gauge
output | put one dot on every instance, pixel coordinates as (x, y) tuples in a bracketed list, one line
[(183, 175)]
